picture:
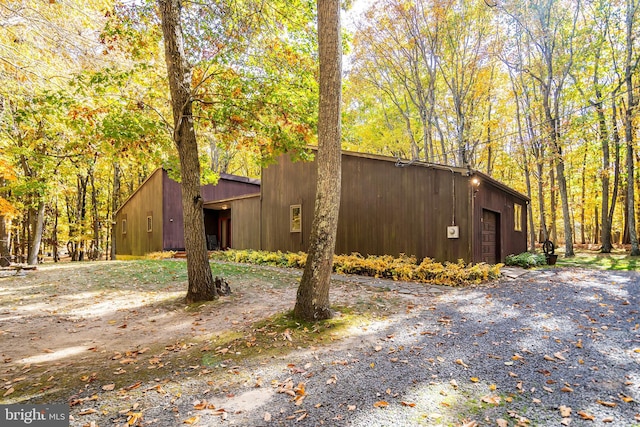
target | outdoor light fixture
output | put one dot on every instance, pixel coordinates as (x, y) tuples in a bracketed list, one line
[(475, 181)]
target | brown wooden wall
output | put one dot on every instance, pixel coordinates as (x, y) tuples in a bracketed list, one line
[(384, 210), (226, 188), (245, 223), (144, 202), (488, 197), (161, 196)]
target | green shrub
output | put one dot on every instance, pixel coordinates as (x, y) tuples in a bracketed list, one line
[(404, 268), (526, 260)]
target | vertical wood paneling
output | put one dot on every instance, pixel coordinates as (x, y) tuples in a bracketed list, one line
[(386, 209)]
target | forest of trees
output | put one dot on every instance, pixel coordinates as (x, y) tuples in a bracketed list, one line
[(540, 94)]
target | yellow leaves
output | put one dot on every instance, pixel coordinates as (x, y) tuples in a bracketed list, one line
[(626, 399), (134, 418), (381, 404), (475, 379), (192, 420)]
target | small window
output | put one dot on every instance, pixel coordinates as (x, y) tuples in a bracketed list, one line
[(517, 217), (296, 218), (149, 224), (124, 226)]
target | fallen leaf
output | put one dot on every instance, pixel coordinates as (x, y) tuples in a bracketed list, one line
[(8, 392), (267, 417), (381, 404), (549, 358), (565, 411), (607, 404), (607, 420), (559, 356), (626, 399), (502, 423), (491, 399), (87, 411), (192, 420), (302, 417), (547, 389), (134, 418), (108, 387), (475, 379), (565, 421), (409, 404), (461, 363), (586, 416), (470, 424), (351, 407), (567, 389)]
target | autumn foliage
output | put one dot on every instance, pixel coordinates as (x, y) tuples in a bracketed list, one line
[(405, 268)]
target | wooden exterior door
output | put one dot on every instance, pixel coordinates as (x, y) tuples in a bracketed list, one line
[(490, 237)]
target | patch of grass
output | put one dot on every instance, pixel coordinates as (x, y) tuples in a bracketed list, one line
[(279, 335), (597, 260)]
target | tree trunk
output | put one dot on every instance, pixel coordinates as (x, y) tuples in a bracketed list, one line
[(201, 285), (605, 231), (312, 301), (583, 201), (115, 204), (36, 234), (553, 203), (629, 129), (616, 168), (5, 240), (527, 177)]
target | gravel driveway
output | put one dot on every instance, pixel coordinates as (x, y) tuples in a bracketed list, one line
[(549, 348)]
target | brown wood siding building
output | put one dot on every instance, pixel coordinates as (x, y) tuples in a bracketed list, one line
[(161, 198), (389, 207)]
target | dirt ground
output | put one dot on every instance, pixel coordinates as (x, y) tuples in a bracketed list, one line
[(66, 326)]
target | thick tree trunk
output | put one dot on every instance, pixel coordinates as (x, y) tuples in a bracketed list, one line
[(201, 285), (312, 302)]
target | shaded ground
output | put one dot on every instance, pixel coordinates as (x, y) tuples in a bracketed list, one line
[(550, 347)]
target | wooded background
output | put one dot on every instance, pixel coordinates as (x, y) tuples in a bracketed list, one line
[(541, 95)]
